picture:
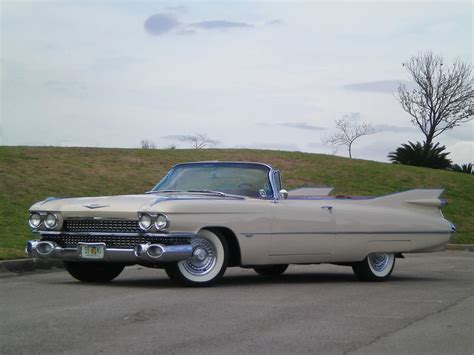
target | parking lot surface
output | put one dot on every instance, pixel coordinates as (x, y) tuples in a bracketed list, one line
[(426, 308)]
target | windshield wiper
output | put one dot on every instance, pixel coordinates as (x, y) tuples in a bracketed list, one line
[(220, 193), (184, 191), (163, 191)]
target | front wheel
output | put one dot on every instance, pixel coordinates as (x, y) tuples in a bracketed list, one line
[(375, 267), (93, 271), (207, 264)]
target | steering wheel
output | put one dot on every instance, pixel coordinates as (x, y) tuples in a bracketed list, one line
[(253, 192), (244, 184)]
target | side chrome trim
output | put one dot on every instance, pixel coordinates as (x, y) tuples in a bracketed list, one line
[(351, 232)]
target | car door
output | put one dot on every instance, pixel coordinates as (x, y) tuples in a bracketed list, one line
[(302, 227)]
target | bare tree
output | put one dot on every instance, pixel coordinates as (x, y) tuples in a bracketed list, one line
[(443, 98), (199, 141), (348, 131), (147, 144)]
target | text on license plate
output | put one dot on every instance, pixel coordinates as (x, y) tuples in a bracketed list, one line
[(92, 251)]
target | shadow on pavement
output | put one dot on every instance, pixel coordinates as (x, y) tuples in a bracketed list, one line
[(162, 281)]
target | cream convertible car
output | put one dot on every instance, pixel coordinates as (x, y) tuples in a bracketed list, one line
[(204, 217)]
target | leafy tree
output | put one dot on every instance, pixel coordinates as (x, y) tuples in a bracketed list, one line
[(443, 97), (427, 155), (464, 168)]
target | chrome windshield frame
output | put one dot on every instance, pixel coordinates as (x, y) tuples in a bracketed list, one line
[(271, 174)]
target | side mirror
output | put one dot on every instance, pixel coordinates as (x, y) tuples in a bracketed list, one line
[(283, 194)]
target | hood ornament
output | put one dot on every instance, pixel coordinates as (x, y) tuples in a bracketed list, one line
[(93, 206)]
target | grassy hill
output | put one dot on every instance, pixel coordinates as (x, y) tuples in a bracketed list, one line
[(29, 174)]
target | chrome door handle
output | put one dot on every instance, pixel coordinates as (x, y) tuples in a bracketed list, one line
[(329, 208)]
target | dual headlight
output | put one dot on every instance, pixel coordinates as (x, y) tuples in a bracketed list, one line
[(146, 221), (50, 220)]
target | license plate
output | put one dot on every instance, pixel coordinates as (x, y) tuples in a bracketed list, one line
[(92, 251)]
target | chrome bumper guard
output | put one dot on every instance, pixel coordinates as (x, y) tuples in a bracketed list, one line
[(148, 252), (453, 231)]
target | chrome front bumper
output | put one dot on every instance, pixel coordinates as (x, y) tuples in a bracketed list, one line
[(146, 252)]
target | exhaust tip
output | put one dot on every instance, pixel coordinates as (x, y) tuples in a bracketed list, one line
[(154, 251), (45, 248)]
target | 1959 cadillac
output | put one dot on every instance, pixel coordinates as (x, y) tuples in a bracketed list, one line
[(204, 217)]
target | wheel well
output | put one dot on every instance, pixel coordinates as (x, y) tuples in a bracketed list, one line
[(234, 247)]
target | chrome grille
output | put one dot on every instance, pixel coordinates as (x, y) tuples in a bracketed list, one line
[(119, 242), (101, 225)]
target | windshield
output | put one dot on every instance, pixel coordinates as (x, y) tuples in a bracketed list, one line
[(244, 179)]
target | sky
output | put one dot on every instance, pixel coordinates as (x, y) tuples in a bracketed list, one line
[(269, 75)]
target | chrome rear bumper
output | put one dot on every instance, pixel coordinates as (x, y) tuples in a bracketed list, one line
[(150, 253)]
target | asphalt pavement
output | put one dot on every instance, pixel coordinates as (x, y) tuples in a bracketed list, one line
[(426, 308)]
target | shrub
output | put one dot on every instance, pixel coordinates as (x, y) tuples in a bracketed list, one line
[(420, 154), (464, 168)]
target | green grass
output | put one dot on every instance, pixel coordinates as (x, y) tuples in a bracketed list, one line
[(30, 174)]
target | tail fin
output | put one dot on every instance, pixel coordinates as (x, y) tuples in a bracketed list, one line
[(421, 197)]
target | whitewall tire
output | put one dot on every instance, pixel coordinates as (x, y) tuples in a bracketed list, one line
[(375, 267), (208, 263)]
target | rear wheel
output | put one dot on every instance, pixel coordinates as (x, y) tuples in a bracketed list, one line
[(207, 264), (93, 271), (375, 267), (271, 270)]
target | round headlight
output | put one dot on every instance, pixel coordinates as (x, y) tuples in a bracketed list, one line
[(50, 221), (35, 220), (161, 222), (145, 221)]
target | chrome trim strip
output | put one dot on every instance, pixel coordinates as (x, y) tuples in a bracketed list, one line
[(100, 218), (350, 232), (171, 235), (48, 199)]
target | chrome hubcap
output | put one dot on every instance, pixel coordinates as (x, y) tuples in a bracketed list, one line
[(200, 254), (379, 262), (203, 259)]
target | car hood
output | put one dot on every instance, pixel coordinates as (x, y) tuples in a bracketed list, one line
[(123, 203)]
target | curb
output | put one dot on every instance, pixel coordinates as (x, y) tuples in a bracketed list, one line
[(462, 247), (31, 264)]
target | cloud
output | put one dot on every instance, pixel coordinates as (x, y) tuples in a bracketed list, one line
[(220, 25), (177, 8), (270, 146), (275, 22), (68, 88), (465, 132), (175, 136), (395, 129), (302, 125), (186, 32), (159, 24), (381, 86), (297, 125)]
